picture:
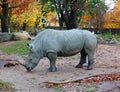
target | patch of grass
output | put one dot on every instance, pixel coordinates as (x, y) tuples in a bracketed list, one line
[(6, 86), (110, 35), (19, 48), (90, 91), (33, 78), (58, 88)]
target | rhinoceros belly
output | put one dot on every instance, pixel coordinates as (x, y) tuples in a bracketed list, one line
[(68, 52), (65, 54)]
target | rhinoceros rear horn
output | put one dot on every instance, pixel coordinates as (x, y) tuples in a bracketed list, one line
[(22, 60)]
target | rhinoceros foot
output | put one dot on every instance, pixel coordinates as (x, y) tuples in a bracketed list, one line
[(78, 66), (52, 69), (89, 68)]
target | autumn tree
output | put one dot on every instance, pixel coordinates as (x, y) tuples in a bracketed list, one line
[(70, 12), (6, 6), (96, 9), (31, 18), (44, 10), (112, 18)]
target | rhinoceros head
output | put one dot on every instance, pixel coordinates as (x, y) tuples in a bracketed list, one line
[(31, 61)]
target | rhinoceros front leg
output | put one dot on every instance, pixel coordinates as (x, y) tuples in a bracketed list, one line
[(52, 58), (82, 59)]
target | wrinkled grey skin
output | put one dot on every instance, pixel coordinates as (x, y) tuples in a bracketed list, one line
[(51, 44)]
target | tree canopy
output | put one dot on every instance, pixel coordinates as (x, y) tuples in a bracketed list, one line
[(70, 12), (16, 15), (6, 6), (112, 18)]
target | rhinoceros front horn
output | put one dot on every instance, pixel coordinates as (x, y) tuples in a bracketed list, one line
[(22, 60)]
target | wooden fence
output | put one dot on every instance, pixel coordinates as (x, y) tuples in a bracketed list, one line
[(105, 30)]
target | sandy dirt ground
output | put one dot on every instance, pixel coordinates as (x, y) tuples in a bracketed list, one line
[(107, 61)]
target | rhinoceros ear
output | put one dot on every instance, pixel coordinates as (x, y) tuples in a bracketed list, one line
[(32, 47)]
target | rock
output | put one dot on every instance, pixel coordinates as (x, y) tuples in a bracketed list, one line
[(107, 41), (114, 41), (14, 36), (5, 37), (20, 36)]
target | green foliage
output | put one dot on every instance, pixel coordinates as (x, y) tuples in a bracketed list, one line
[(90, 91), (73, 10), (58, 88), (31, 17), (19, 48), (95, 9), (110, 35), (33, 78), (6, 86)]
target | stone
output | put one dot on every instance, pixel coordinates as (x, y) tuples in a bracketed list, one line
[(5, 37), (114, 41), (20, 35)]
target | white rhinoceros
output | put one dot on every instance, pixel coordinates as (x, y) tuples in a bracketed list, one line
[(53, 43)]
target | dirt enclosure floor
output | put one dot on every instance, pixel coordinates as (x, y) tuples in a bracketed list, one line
[(107, 61)]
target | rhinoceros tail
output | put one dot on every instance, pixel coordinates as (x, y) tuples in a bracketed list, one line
[(96, 49)]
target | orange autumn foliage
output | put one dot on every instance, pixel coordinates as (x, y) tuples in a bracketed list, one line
[(86, 18), (112, 18), (17, 6), (88, 80)]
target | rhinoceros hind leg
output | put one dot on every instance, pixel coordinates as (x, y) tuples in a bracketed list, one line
[(90, 62), (82, 59), (52, 58)]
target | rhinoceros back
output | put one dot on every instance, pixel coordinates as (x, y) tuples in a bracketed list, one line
[(64, 43)]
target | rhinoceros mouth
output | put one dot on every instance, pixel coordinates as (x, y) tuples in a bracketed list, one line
[(28, 68)]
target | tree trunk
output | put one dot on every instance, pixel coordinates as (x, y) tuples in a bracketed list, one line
[(67, 13), (59, 12), (71, 22), (4, 18), (24, 26), (60, 22)]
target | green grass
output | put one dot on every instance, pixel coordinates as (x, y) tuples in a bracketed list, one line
[(90, 91), (6, 86), (110, 35), (19, 48), (60, 89)]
